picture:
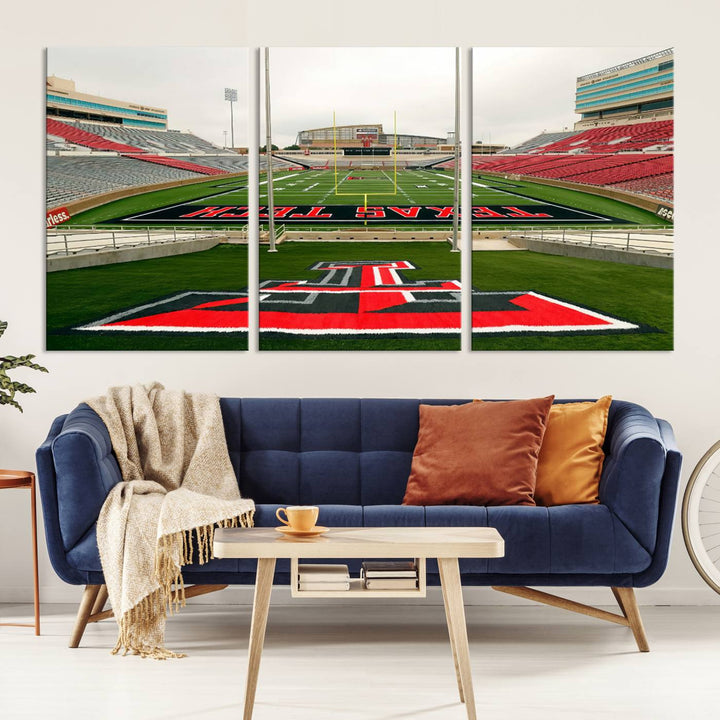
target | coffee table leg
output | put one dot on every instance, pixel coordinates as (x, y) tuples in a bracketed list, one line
[(451, 633), (261, 603), (455, 611)]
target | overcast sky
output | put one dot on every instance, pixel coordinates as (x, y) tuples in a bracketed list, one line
[(189, 82), (518, 92), (362, 85)]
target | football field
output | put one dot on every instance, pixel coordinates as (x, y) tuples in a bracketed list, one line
[(355, 197), (360, 296), (349, 186)]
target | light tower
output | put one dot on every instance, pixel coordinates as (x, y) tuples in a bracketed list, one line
[(231, 95)]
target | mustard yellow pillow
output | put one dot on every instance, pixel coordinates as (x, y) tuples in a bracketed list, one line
[(571, 456)]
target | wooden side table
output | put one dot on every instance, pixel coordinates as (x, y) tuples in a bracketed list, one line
[(25, 479)]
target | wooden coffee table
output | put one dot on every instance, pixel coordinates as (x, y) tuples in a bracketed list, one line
[(447, 545)]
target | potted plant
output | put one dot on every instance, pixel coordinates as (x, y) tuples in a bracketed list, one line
[(9, 387)]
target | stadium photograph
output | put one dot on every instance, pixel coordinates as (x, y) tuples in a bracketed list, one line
[(361, 234), (365, 257), (579, 153), (129, 131)]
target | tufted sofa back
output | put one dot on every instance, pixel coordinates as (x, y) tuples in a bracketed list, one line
[(323, 450)]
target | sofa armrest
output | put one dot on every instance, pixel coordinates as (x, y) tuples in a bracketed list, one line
[(635, 460), (668, 507), (47, 486), (85, 472)]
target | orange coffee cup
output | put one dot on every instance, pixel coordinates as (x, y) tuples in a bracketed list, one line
[(299, 517)]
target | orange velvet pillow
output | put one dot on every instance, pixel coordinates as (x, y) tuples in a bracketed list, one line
[(477, 453), (571, 457)]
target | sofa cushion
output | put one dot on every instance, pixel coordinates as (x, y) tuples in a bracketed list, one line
[(569, 539), (323, 451), (394, 516), (478, 453), (571, 456), (564, 539)]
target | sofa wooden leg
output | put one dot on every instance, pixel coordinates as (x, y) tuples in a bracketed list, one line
[(624, 596), (84, 611), (628, 604), (99, 604), (99, 613), (196, 590)]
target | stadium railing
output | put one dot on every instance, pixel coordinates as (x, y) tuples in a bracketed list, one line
[(656, 240), (75, 240)]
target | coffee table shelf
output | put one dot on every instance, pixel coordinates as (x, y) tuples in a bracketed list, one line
[(357, 590)]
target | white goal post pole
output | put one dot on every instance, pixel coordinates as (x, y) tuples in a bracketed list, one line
[(456, 189), (269, 156), (395, 152), (335, 152)]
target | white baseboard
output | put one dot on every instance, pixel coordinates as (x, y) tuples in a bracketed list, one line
[(242, 595)]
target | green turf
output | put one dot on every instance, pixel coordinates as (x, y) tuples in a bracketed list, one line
[(160, 198), (433, 261), (639, 294), (318, 187), (322, 187), (77, 297)]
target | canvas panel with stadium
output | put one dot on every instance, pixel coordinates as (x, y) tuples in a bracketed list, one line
[(367, 223), (572, 230), (130, 130), (603, 146)]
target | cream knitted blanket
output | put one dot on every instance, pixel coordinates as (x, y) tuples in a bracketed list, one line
[(178, 484)]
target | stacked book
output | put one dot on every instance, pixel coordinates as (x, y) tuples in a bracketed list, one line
[(389, 575), (323, 577)]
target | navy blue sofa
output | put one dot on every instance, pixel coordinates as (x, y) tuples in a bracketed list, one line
[(352, 457)]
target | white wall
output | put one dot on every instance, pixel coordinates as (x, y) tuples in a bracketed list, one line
[(681, 386)]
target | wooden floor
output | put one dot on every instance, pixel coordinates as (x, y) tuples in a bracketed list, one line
[(389, 662)]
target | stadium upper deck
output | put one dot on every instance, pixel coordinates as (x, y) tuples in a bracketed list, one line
[(637, 90), (64, 101)]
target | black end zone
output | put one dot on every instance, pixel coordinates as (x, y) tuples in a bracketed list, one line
[(209, 213)]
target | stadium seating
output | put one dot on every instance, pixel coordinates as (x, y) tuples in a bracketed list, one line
[(226, 163), (615, 138), (636, 158), (154, 141), (80, 136), (538, 141), (73, 178), (180, 164), (619, 172), (659, 186), (600, 170)]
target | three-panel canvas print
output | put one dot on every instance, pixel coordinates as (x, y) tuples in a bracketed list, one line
[(354, 198)]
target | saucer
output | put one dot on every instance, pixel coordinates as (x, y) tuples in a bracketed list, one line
[(312, 532)]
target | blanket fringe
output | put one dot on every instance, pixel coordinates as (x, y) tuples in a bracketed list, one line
[(169, 574), (144, 620)]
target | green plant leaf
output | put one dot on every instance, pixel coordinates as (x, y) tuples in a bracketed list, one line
[(8, 386)]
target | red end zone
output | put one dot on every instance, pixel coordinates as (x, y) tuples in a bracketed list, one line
[(362, 298)]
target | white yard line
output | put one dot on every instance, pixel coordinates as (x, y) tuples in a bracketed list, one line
[(400, 188), (275, 181), (333, 189)]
